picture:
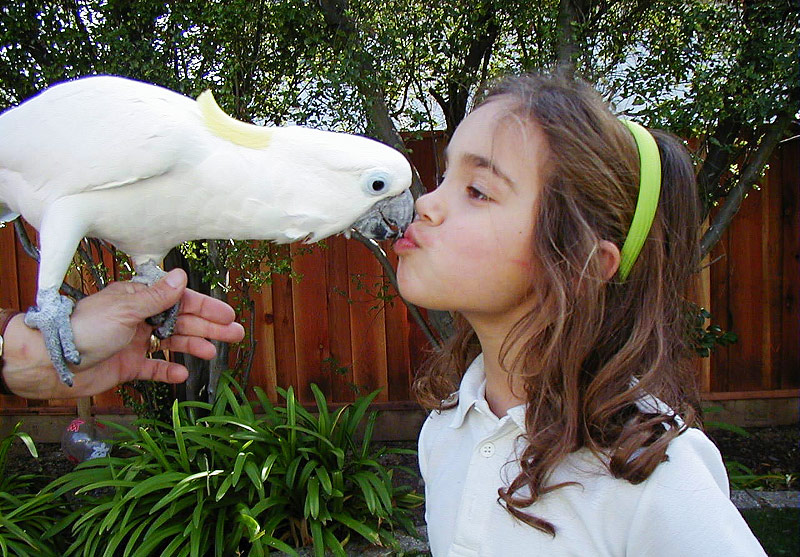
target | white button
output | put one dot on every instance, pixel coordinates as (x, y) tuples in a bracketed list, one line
[(487, 449)]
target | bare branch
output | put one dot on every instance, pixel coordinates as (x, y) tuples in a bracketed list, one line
[(749, 176), (381, 256)]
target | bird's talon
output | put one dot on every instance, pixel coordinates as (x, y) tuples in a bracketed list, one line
[(51, 317), (169, 318)]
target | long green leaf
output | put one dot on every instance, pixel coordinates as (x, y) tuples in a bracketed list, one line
[(368, 533), (185, 486), (165, 480), (311, 506), (317, 538), (333, 544), (324, 479), (147, 548), (176, 426), (252, 472), (155, 450), (324, 416)]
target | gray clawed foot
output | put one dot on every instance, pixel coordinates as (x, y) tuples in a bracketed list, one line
[(165, 321), (51, 317), (148, 273)]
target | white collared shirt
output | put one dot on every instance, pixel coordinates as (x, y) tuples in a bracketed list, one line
[(466, 453)]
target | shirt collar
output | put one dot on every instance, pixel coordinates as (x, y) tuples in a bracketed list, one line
[(473, 389)]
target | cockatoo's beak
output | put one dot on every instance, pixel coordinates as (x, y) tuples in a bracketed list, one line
[(388, 218)]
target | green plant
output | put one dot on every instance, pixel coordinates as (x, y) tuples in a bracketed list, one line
[(739, 475), (148, 399), (705, 338), (221, 480), (742, 477), (24, 517)]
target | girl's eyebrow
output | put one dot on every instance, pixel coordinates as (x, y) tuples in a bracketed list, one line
[(479, 161)]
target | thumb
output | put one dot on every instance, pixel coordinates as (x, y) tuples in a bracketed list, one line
[(161, 295)]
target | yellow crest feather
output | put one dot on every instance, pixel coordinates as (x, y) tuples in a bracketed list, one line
[(222, 125)]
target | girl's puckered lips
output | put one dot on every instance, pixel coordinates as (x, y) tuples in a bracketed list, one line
[(407, 242)]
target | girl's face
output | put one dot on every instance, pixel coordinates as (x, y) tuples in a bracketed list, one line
[(470, 247)]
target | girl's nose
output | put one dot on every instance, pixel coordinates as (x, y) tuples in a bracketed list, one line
[(428, 208)]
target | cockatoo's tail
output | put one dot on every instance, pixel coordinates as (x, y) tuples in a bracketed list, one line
[(147, 168)]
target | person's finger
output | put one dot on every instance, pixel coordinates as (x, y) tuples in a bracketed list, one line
[(163, 371), (192, 325), (164, 294), (195, 346), (207, 307)]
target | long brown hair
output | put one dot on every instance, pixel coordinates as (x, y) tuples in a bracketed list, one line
[(591, 348)]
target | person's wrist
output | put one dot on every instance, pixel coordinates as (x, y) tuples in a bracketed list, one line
[(23, 347), (27, 369), (6, 316)]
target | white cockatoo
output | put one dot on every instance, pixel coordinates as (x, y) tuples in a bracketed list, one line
[(146, 168)]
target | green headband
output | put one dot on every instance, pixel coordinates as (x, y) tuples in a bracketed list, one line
[(649, 190)]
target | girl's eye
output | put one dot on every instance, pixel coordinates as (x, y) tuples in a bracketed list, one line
[(475, 193)]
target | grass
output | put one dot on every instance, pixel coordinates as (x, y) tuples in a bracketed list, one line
[(778, 530)]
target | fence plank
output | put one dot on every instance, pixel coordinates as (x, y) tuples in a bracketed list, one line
[(340, 365), (720, 256), (745, 295), (310, 306), (789, 306), (283, 312), (367, 321), (398, 360), (263, 372), (772, 276), (9, 283), (27, 272)]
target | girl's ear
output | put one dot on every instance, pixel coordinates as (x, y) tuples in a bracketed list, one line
[(608, 253)]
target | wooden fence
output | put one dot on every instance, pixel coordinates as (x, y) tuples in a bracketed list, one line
[(754, 286), (330, 329)]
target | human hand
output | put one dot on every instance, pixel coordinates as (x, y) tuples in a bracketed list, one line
[(113, 338)]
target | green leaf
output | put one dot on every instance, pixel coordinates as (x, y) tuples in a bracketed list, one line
[(186, 485), (252, 472), (333, 544), (311, 507), (226, 484), (266, 468), (368, 533), (154, 449), (291, 471), (176, 425), (368, 492), (318, 538), (147, 548), (322, 409), (324, 479), (368, 434), (165, 480)]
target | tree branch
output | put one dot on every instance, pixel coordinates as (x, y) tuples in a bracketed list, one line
[(749, 176), (381, 256)]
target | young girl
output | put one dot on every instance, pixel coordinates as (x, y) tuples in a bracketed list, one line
[(563, 405)]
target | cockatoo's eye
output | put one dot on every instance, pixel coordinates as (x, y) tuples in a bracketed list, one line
[(376, 182)]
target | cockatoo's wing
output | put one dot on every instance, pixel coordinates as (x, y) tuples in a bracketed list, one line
[(81, 150)]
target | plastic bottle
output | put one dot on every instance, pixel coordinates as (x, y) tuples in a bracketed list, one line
[(83, 441)]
